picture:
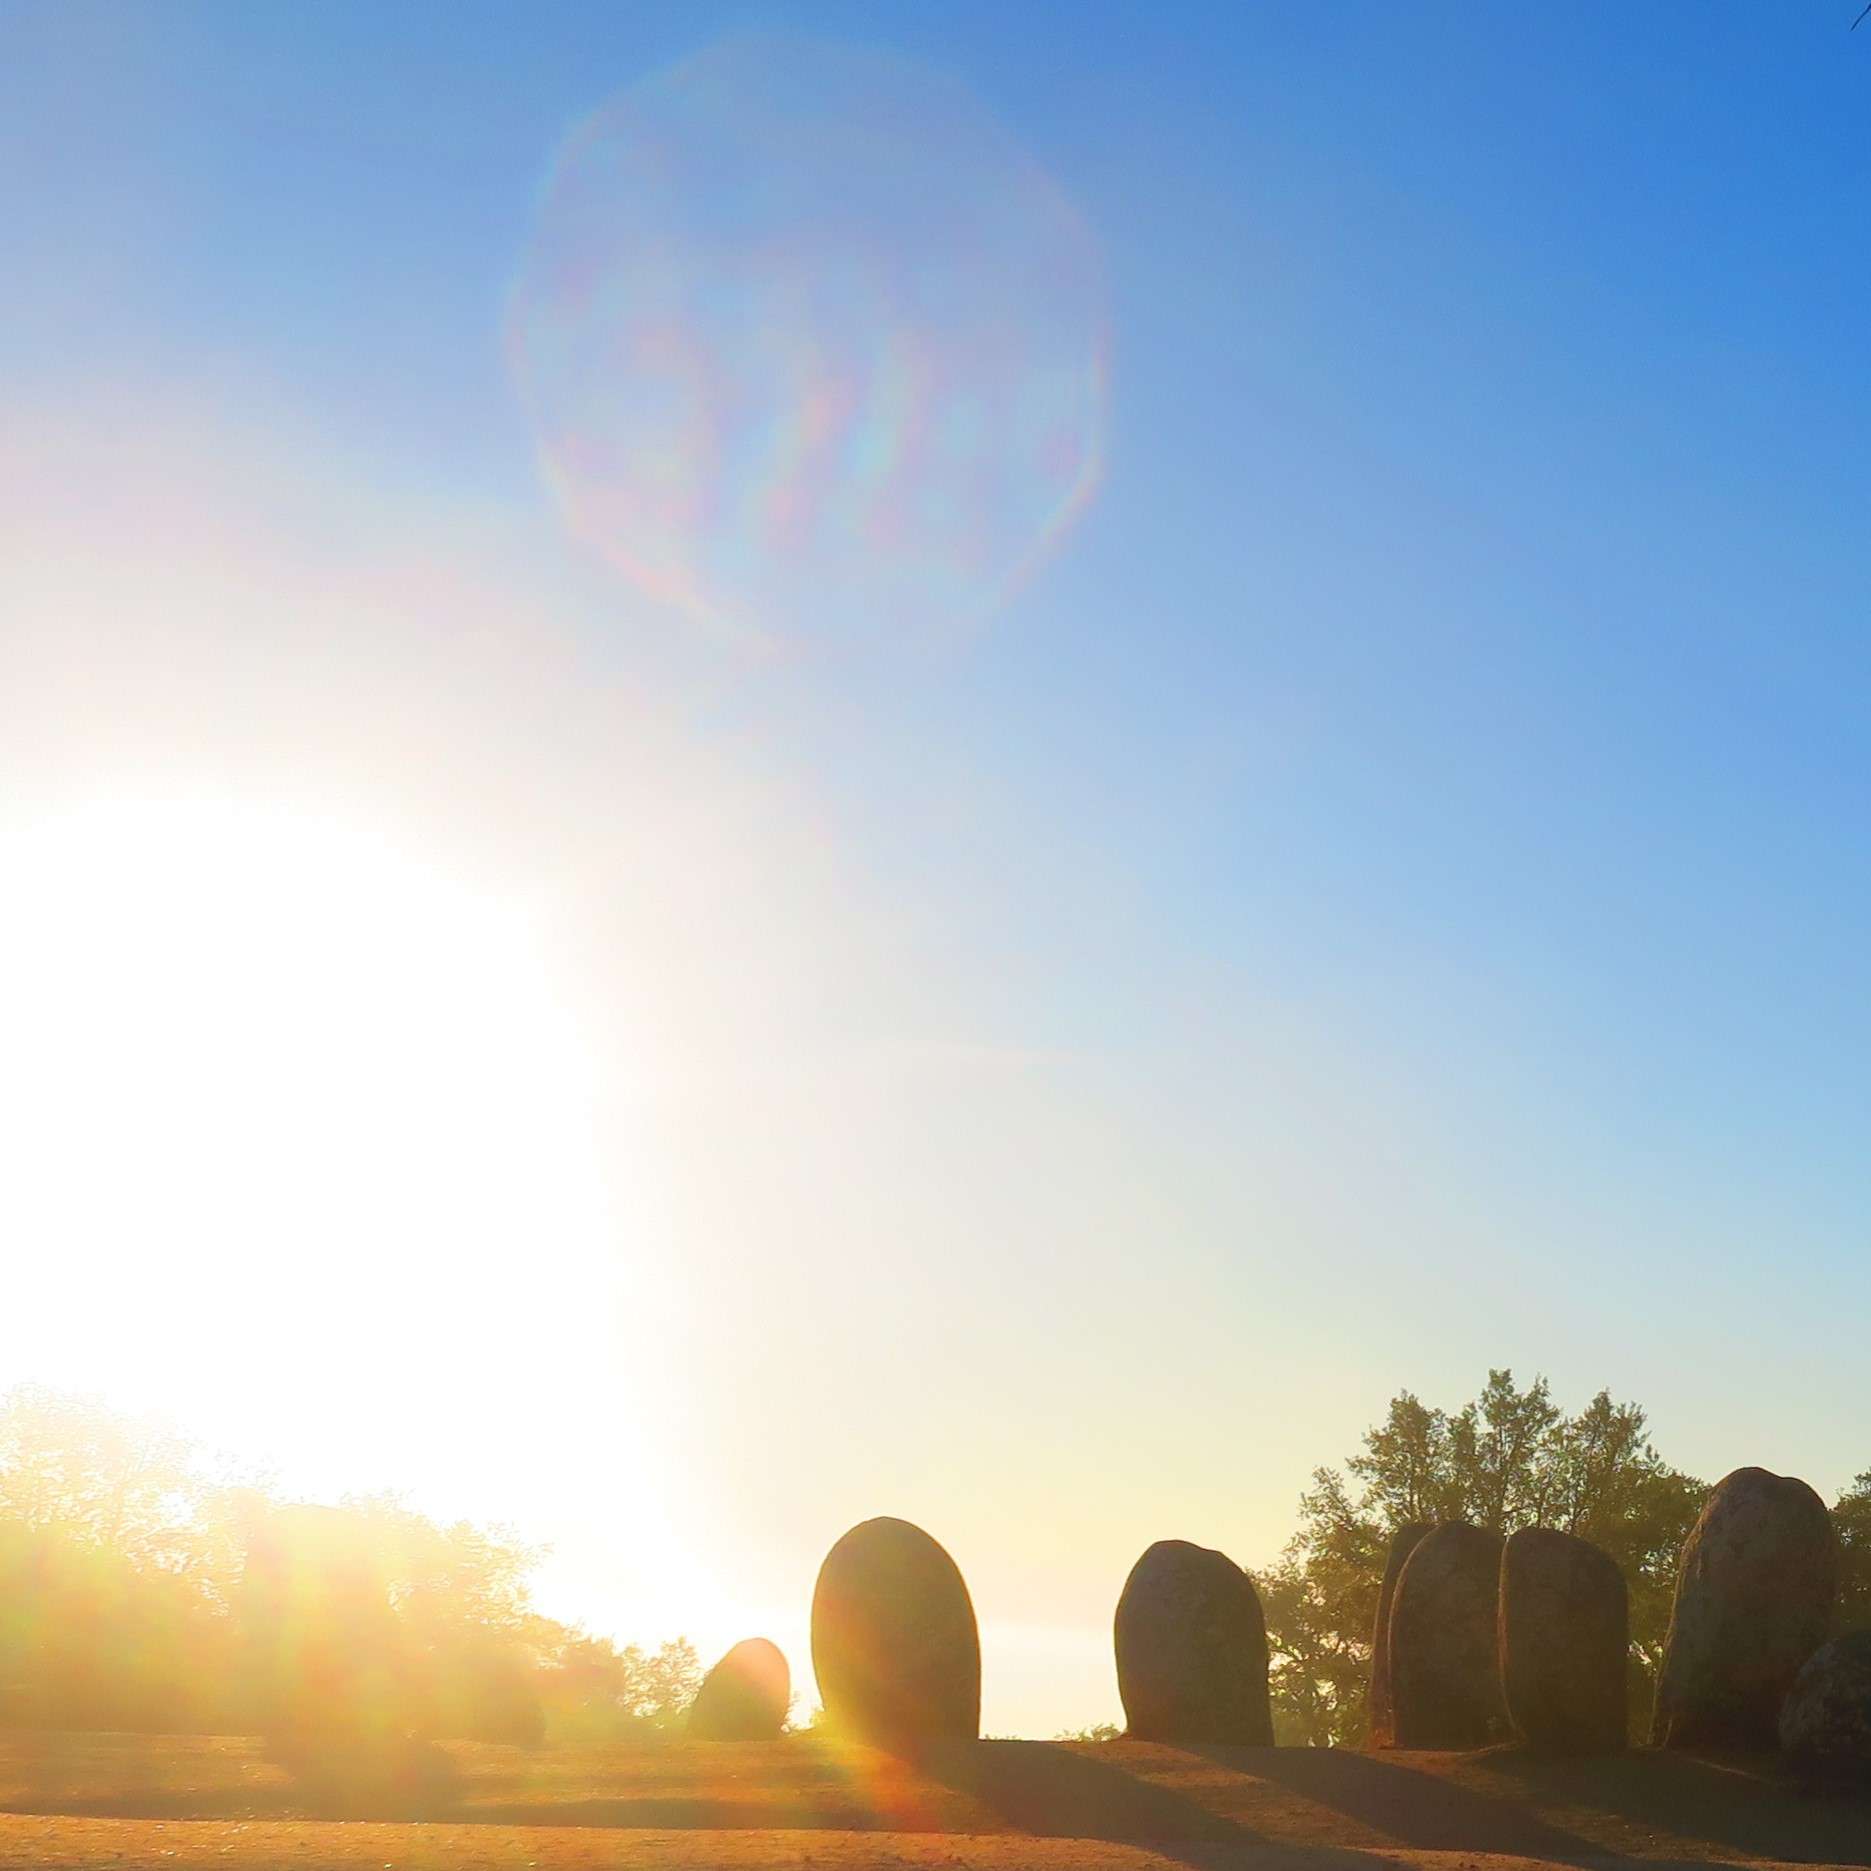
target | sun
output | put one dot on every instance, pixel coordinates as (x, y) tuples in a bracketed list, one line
[(301, 1132)]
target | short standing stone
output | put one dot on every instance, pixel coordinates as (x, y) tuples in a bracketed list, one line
[(1383, 1711), (1192, 1650), (1564, 1643), (1754, 1596), (894, 1643), (1825, 1722), (745, 1696), (1444, 1677)]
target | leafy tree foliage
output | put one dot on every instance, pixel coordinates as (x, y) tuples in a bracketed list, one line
[(594, 1691), (1852, 1517), (1512, 1458), (143, 1587)]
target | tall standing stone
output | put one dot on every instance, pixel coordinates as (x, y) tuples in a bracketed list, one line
[(1383, 1709), (1444, 1673), (1564, 1643), (1754, 1596), (894, 1643), (1192, 1650), (745, 1696)]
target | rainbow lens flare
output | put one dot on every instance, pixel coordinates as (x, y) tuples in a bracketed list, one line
[(810, 343)]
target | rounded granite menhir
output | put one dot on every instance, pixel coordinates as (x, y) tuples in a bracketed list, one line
[(745, 1696), (1825, 1722), (1383, 1713), (1564, 1643), (1445, 1680), (1192, 1650), (894, 1643), (1754, 1596)]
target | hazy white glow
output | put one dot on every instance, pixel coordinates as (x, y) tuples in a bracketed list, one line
[(299, 1128), (437, 1059)]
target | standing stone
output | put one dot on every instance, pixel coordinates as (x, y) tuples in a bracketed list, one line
[(745, 1696), (1192, 1650), (1445, 1680), (894, 1644), (1564, 1643), (1754, 1596), (1825, 1722), (1383, 1709)]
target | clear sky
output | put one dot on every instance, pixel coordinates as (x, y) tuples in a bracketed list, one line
[(1315, 842)]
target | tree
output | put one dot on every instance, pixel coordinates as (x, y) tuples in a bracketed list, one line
[(593, 1691), (144, 1587), (70, 1466), (1321, 1599), (327, 1666), (1511, 1458), (115, 1574), (1852, 1517)]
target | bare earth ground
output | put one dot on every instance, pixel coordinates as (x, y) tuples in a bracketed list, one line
[(186, 1801)]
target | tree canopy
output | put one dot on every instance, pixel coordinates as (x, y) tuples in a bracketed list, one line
[(143, 1586), (1852, 1518), (127, 1596), (1510, 1458)]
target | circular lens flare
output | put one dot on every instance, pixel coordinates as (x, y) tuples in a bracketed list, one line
[(810, 344)]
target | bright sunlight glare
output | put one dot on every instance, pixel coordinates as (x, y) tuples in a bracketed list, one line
[(300, 1127)]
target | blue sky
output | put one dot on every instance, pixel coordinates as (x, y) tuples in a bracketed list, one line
[(1407, 842)]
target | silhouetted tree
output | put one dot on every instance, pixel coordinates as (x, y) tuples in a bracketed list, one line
[(115, 1570), (1852, 1517), (593, 1691), (326, 1657), (142, 1586), (1509, 1459)]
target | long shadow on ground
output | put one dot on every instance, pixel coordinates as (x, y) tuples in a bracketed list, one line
[(1046, 1790), (804, 1783), (411, 1781), (962, 1787), (1383, 1796), (1738, 1804), (1035, 1786), (1201, 1806)]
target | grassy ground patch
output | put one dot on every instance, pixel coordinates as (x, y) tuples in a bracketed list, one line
[(1203, 1801)]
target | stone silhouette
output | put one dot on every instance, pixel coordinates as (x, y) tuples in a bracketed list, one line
[(1192, 1650), (894, 1643), (1383, 1711), (745, 1696), (1444, 1674), (1754, 1595), (1564, 1643), (1825, 1722)]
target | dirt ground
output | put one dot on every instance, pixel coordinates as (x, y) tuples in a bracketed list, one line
[(120, 1801), (55, 1844)]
